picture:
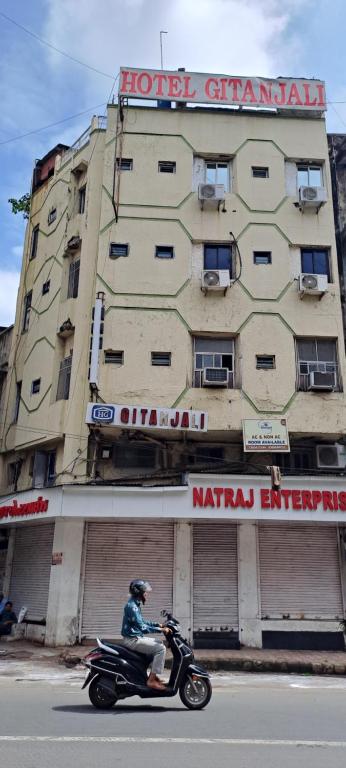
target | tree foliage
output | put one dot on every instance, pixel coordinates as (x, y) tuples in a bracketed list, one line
[(22, 205)]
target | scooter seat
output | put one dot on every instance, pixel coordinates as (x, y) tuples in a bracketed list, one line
[(126, 653)]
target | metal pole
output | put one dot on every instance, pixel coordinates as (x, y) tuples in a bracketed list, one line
[(162, 32)]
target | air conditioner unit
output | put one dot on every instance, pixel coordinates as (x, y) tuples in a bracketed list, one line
[(315, 285), (215, 377), (312, 197), (331, 456), (322, 381), (211, 192), (215, 279)]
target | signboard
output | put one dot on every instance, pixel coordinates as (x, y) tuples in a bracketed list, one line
[(244, 498), (282, 93), (148, 417), (263, 435), (27, 508)]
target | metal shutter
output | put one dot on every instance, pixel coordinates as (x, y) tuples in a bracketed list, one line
[(31, 567), (215, 575), (299, 571), (3, 556), (116, 553)]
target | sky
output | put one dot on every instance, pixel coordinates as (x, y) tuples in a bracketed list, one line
[(39, 86)]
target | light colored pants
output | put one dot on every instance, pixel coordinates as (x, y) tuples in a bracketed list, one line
[(148, 646)]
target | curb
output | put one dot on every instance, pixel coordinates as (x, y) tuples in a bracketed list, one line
[(270, 665)]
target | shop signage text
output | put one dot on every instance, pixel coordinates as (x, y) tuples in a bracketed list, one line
[(265, 435), (134, 416), (27, 508), (282, 93), (265, 498)]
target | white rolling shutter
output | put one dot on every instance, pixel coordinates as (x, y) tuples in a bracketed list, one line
[(31, 568), (116, 553), (299, 571), (215, 576)]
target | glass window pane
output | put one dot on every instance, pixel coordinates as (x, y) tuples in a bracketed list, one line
[(210, 257), (222, 174), (223, 346), (210, 173), (208, 361), (307, 350), (224, 257), (217, 361), (321, 263), (307, 261), (315, 176), (199, 361), (302, 176), (326, 350)]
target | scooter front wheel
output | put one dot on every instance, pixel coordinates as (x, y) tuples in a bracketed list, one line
[(100, 698), (195, 693)]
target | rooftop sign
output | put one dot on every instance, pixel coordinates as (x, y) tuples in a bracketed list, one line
[(282, 93)]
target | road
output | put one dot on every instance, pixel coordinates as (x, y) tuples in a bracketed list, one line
[(252, 721)]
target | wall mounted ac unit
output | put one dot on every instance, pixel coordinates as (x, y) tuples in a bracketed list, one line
[(215, 377), (211, 192), (215, 279), (312, 197), (315, 285), (331, 456), (322, 381)]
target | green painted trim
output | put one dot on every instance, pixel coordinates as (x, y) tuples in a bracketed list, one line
[(147, 295), (57, 181), (43, 338), (152, 309), (182, 394), (46, 262), (51, 232), (264, 224), (148, 205), (261, 210), (258, 298), (271, 413), (32, 410), (49, 305), (270, 314), (107, 193), (262, 141), (148, 218), (165, 135)]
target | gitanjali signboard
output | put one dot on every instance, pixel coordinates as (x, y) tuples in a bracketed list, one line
[(282, 93), (134, 416)]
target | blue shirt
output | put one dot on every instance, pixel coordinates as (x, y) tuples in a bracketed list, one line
[(133, 623)]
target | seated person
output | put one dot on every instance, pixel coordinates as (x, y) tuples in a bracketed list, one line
[(7, 619), (135, 627)]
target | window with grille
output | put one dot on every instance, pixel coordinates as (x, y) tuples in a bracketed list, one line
[(218, 256), (260, 172), (13, 472), (73, 279), (262, 257), (124, 164), (116, 250), (114, 357), (164, 252), (17, 401), (161, 358), (34, 241), (166, 166), (27, 310), (45, 287), (52, 216), (135, 455), (213, 353), (207, 454), (316, 355), (35, 386), (81, 199), (63, 389), (315, 261), (265, 362)]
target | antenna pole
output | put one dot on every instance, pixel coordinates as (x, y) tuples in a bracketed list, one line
[(162, 32)]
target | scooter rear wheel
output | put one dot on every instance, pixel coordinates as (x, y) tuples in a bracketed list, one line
[(100, 698), (195, 694)]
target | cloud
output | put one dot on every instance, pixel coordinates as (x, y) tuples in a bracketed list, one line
[(9, 282)]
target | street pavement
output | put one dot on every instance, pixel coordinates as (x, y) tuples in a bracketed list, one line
[(46, 721)]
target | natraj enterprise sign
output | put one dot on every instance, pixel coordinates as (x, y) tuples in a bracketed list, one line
[(148, 417), (281, 93), (263, 435)]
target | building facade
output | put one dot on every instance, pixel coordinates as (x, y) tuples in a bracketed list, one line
[(179, 299)]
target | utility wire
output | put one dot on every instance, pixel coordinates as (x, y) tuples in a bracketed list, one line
[(54, 48), (51, 125)]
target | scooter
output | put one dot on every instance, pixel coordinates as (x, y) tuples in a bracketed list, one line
[(114, 672)]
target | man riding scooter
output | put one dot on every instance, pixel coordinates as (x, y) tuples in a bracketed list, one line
[(134, 627)]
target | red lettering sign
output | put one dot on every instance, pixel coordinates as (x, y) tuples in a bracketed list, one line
[(26, 508), (280, 499)]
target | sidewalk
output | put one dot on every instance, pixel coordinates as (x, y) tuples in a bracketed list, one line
[(246, 659)]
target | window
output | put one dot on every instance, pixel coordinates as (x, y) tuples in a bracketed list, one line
[(43, 468), (51, 216), (265, 362), (134, 455), (118, 249), (17, 401), (46, 287), (207, 454), (260, 172), (161, 358), (35, 386), (213, 353), (81, 199), (27, 308), (34, 241), (217, 173), (164, 252), (218, 257), (113, 357), (309, 175), (262, 257), (316, 355), (298, 459), (73, 279), (51, 459), (315, 261), (13, 472), (64, 379), (124, 164), (166, 166)]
